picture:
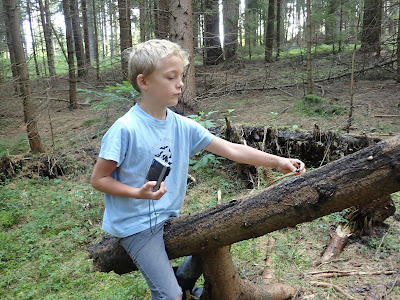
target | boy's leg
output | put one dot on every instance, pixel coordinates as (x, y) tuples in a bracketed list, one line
[(147, 250), (188, 273)]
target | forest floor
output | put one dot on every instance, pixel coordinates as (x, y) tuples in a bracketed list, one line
[(260, 94)]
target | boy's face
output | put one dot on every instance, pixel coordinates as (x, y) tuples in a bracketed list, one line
[(164, 85)]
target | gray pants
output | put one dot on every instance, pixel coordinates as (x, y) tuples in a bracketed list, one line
[(147, 251)]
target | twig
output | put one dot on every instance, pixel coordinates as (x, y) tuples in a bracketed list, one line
[(380, 244), (329, 274), (337, 288)]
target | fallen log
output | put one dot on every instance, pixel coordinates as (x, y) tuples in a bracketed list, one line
[(353, 180)]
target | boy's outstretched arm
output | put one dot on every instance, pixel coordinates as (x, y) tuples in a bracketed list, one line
[(102, 181), (247, 155)]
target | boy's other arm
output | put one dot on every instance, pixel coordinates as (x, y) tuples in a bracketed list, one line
[(247, 155), (102, 181)]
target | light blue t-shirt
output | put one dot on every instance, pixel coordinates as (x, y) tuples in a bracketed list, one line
[(133, 141)]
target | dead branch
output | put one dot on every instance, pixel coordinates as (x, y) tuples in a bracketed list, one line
[(334, 286)]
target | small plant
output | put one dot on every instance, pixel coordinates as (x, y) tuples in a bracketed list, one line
[(120, 93), (206, 162), (204, 118), (228, 115)]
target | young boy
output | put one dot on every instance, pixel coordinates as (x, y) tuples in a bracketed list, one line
[(134, 212)]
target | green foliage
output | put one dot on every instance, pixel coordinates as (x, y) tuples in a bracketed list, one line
[(313, 105), (120, 93), (206, 162), (204, 119), (14, 146), (42, 252)]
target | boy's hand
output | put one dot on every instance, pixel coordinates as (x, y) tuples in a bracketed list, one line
[(146, 191), (287, 165)]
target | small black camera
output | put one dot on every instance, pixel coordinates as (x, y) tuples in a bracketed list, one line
[(158, 171)]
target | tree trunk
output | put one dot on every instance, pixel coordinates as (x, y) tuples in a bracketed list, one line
[(356, 179), (162, 19), (309, 58), (30, 118), (124, 32), (398, 49), (269, 33), (231, 23), (371, 29), (142, 20), (12, 54), (28, 10), (278, 27), (212, 42), (222, 280), (76, 28), (181, 27), (85, 24), (46, 24), (73, 102), (96, 41)]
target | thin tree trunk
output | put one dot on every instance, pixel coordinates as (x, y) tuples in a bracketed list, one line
[(125, 32), (162, 19), (269, 34), (86, 31), (96, 40), (181, 27), (212, 42), (46, 24), (28, 10), (12, 19), (12, 56), (353, 180), (398, 48), (278, 27), (231, 25), (309, 58), (73, 102), (142, 18), (78, 43)]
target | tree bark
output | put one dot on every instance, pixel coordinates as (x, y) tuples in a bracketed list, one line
[(12, 54), (231, 27), (353, 180), (212, 42), (124, 32), (161, 19), (371, 29), (12, 19), (73, 101), (309, 42), (28, 10), (96, 40), (181, 27), (269, 33), (219, 271), (85, 24), (278, 27), (398, 49), (76, 28), (46, 23)]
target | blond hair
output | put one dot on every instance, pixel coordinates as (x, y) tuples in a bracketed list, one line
[(143, 58)]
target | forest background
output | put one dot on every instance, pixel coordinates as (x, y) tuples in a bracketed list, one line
[(299, 65)]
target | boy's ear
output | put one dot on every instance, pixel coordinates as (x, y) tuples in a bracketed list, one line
[(141, 81)]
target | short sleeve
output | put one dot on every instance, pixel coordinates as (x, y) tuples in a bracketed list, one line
[(115, 143), (200, 137)]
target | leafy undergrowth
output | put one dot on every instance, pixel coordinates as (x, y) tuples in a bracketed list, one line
[(47, 224)]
